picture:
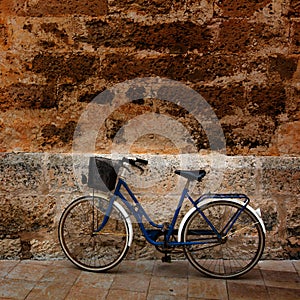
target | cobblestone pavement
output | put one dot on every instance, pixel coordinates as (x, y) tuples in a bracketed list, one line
[(144, 279)]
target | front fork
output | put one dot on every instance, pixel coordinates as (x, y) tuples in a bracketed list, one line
[(106, 217)]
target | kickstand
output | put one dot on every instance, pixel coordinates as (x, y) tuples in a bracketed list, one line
[(166, 258)]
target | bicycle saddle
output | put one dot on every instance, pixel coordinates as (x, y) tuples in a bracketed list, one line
[(192, 175)]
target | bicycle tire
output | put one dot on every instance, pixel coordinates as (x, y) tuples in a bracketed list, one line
[(93, 252), (238, 252)]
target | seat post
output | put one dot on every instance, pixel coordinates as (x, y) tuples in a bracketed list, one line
[(187, 184)]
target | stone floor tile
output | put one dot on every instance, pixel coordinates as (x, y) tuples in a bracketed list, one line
[(205, 288), (296, 264), (137, 266), (74, 294), (29, 270), (15, 289), (253, 277), (131, 282), (277, 265), (61, 274), (240, 291), (165, 297), (122, 295), (193, 272), (91, 286), (7, 266), (64, 263), (96, 280), (281, 279), (86, 291), (283, 294), (168, 286), (49, 290), (178, 269)]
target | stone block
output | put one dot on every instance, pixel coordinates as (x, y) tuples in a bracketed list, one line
[(240, 176), (54, 8), (32, 96), (288, 138), (119, 67), (46, 247), (198, 11), (175, 37), (155, 7), (294, 9), (53, 134), (280, 176), (286, 230), (295, 38), (259, 96), (3, 34), (244, 8), (292, 243), (241, 36), (60, 174), (75, 68), (26, 214), (225, 100), (21, 173), (10, 248), (285, 66), (13, 70), (29, 36)]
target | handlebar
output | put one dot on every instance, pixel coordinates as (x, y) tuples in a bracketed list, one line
[(133, 162), (138, 160)]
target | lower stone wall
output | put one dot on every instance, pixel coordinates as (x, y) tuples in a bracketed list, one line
[(35, 188)]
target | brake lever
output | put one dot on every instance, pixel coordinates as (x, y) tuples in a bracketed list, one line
[(133, 163), (140, 168), (142, 161)]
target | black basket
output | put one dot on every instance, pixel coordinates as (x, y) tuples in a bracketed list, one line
[(102, 173)]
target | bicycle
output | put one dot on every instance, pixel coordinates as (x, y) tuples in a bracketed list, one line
[(222, 236)]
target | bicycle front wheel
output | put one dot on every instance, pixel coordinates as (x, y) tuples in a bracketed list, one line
[(87, 249), (236, 253)]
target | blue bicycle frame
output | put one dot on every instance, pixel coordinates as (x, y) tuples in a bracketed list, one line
[(139, 213)]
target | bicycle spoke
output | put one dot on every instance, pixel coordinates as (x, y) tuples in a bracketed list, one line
[(238, 251), (84, 246)]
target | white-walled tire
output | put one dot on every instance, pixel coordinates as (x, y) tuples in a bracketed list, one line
[(239, 250), (90, 251)]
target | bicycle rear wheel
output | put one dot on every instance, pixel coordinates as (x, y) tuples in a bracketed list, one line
[(238, 251), (87, 250)]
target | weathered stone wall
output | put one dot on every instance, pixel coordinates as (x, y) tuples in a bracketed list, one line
[(242, 56), (56, 56), (35, 188)]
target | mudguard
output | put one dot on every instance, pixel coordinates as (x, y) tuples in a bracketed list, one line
[(209, 200), (123, 212)]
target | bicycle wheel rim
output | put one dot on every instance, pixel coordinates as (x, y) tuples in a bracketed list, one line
[(242, 249), (91, 252)]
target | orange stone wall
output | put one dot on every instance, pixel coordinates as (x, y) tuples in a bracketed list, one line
[(241, 56)]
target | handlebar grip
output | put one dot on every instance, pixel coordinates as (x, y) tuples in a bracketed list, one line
[(131, 161), (142, 161), (134, 161)]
